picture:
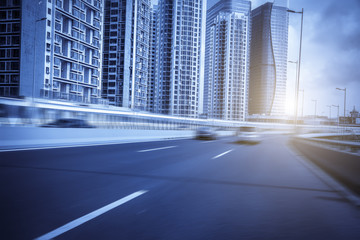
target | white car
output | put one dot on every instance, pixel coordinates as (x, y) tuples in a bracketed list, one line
[(248, 134), (205, 133)]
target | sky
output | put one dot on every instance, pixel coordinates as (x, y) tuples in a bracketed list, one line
[(330, 55)]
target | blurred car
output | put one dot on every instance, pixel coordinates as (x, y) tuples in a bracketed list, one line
[(68, 123), (205, 133), (248, 134)]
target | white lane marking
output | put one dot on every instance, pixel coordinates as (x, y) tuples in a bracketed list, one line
[(222, 154), (209, 141), (87, 145), (155, 149), (90, 216)]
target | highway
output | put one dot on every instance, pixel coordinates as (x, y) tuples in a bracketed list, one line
[(179, 189)]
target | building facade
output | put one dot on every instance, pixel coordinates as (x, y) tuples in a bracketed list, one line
[(126, 53), (269, 49), (60, 46), (227, 60), (152, 59), (179, 62), (10, 35)]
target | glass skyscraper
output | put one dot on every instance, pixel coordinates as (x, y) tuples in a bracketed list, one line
[(227, 60), (179, 62), (269, 48)]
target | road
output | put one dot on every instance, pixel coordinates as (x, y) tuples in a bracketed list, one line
[(180, 189)]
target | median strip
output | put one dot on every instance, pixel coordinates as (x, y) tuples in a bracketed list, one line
[(155, 149), (222, 154), (90, 216)]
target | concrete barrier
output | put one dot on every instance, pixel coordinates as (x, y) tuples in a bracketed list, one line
[(343, 166)]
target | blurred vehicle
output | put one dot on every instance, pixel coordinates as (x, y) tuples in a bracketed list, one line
[(205, 133), (68, 123), (248, 134)]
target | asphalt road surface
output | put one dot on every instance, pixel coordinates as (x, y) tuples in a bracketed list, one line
[(183, 189)]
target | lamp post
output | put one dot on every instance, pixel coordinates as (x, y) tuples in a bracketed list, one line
[(343, 89), (299, 64), (296, 80), (337, 106), (34, 61), (314, 100), (329, 106), (302, 105), (33, 83)]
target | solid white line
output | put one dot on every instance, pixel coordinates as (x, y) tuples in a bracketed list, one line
[(88, 217), (209, 141), (85, 145), (155, 149), (222, 154)]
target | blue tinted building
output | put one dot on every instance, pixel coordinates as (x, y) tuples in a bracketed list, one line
[(227, 60), (269, 49)]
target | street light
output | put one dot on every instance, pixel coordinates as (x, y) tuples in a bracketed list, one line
[(299, 62), (337, 106), (296, 79), (302, 105), (314, 100), (329, 106), (341, 89), (33, 84), (34, 61)]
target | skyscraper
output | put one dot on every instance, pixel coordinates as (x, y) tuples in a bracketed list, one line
[(126, 53), (269, 48), (179, 62), (227, 60), (60, 49), (152, 59), (10, 32)]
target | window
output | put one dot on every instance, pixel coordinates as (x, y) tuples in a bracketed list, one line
[(15, 40), (57, 49), (2, 40), (2, 14), (57, 26), (15, 78), (15, 53), (49, 11), (3, 27), (56, 72), (15, 66), (57, 61)]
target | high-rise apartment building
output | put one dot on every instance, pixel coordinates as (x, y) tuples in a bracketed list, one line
[(269, 48), (152, 59), (179, 62), (10, 32), (227, 60), (60, 45), (126, 53)]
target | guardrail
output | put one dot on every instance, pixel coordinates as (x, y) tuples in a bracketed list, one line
[(346, 146), (341, 159)]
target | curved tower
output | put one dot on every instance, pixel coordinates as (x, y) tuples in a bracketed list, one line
[(268, 61)]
